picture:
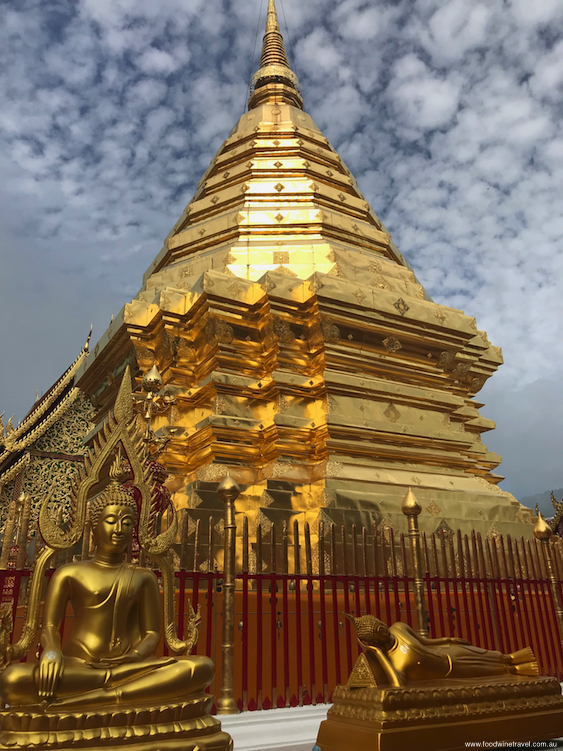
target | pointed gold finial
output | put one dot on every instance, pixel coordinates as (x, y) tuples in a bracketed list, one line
[(152, 380), (86, 347), (272, 19), (274, 81), (542, 530), (410, 505), (228, 489)]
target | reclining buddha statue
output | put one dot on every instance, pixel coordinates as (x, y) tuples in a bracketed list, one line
[(409, 691), (104, 686)]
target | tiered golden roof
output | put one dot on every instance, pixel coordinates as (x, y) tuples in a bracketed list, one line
[(305, 356)]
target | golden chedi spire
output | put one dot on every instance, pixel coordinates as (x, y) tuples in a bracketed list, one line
[(274, 81), (300, 346)]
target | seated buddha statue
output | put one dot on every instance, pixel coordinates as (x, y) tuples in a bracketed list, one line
[(401, 656), (109, 657)]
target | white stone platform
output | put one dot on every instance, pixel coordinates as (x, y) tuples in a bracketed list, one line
[(293, 729)]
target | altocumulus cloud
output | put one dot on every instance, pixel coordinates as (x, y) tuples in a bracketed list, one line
[(447, 111)]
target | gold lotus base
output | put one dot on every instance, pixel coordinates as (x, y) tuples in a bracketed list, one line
[(178, 727), (444, 715)]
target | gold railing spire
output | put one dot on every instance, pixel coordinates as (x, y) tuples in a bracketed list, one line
[(274, 81)]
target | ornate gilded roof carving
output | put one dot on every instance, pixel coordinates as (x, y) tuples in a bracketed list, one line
[(43, 415)]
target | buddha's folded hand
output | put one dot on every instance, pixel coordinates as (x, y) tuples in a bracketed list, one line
[(50, 670)]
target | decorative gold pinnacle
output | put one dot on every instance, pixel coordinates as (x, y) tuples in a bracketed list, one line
[(542, 530), (410, 505), (274, 81)]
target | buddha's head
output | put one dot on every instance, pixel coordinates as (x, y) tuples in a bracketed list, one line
[(372, 631), (113, 516)]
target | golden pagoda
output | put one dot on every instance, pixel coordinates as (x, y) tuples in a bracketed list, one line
[(304, 357)]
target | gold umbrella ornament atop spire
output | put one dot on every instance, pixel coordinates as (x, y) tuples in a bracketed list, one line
[(274, 81)]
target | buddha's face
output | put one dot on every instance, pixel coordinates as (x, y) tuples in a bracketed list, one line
[(115, 527)]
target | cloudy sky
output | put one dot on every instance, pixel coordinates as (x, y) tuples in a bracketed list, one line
[(447, 111)]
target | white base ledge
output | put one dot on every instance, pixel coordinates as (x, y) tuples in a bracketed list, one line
[(292, 729)]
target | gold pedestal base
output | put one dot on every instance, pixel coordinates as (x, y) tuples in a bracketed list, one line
[(444, 715), (179, 727)]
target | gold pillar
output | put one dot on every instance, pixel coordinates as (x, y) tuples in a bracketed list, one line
[(226, 704), (8, 534), (411, 509), (542, 532), (25, 501)]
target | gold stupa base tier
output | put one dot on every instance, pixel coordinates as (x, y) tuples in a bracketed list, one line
[(443, 715), (178, 727)]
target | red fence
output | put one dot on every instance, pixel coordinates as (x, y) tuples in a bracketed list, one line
[(293, 644)]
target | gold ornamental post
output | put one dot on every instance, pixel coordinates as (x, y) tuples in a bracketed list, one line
[(226, 703), (411, 509), (543, 533)]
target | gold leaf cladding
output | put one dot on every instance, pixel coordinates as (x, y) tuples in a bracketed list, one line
[(213, 472), (194, 500), (315, 284), (525, 515), (420, 294), (218, 330), (235, 289), (381, 283), (328, 498), (146, 358), (462, 369), (392, 413), (447, 422), (281, 256), (280, 469), (284, 404), (434, 509), (360, 296), (477, 383), (266, 500), (285, 271), (187, 271), (283, 331), (446, 360), (493, 532), (331, 332), (392, 344), (220, 528), (331, 404), (440, 316), (221, 406), (401, 306), (337, 271), (385, 527), (264, 522), (208, 283), (445, 529), (268, 284), (333, 469), (375, 267)]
